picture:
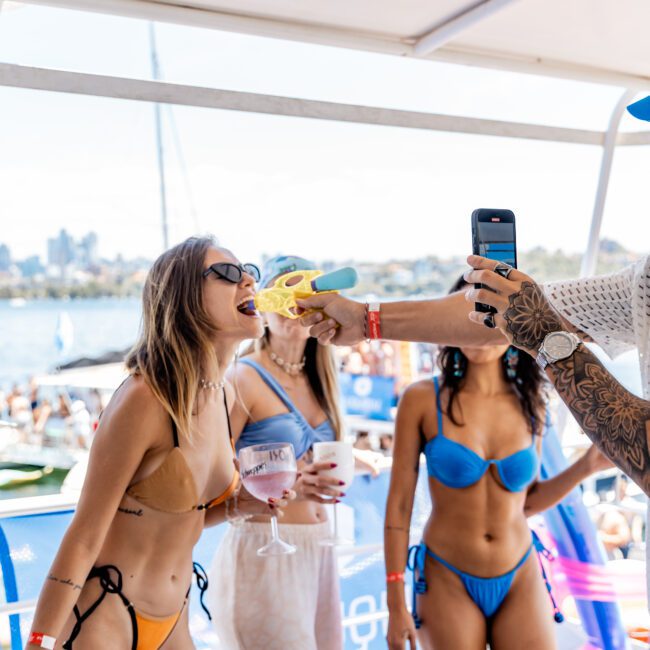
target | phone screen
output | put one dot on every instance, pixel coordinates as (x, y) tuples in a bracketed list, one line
[(496, 241)]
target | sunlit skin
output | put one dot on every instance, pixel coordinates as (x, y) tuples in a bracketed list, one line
[(493, 520), (287, 339), (220, 299), (613, 418), (152, 549)]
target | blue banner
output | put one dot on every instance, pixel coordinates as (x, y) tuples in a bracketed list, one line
[(370, 396)]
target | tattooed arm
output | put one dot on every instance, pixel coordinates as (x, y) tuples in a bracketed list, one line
[(617, 421)]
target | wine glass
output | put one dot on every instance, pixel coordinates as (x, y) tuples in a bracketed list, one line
[(266, 472), (341, 454)]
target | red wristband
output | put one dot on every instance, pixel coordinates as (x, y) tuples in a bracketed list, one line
[(373, 320), (41, 640), (397, 576)]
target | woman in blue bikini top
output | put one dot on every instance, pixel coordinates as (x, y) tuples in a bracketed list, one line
[(288, 392), (480, 425)]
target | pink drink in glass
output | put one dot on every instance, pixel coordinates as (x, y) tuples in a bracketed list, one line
[(271, 485)]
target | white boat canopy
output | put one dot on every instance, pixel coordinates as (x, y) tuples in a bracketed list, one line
[(599, 41), (105, 377), (603, 41)]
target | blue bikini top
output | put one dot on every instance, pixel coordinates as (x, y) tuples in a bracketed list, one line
[(285, 427), (457, 466)]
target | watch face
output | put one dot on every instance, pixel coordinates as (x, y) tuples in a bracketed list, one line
[(559, 345)]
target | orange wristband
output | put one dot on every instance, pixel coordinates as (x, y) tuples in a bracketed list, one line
[(373, 320), (397, 576), (41, 640)]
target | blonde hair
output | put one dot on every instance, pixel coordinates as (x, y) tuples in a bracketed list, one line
[(176, 332), (320, 368)]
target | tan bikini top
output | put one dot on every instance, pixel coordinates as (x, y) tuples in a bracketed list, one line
[(171, 487)]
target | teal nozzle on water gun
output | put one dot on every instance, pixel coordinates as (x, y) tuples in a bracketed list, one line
[(281, 296)]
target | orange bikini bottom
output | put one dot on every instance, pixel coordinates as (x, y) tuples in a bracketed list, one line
[(148, 633), (153, 632)]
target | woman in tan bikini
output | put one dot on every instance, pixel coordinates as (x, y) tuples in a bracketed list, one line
[(157, 472)]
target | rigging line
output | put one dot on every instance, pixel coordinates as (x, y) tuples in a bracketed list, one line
[(178, 148), (155, 73)]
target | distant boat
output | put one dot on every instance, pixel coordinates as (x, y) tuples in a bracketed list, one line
[(10, 478), (64, 333)]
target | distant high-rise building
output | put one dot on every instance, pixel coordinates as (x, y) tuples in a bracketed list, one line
[(5, 257), (61, 249), (31, 266), (88, 250)]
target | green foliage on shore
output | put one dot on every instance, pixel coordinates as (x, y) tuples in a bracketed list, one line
[(91, 289), (433, 276), (395, 279)]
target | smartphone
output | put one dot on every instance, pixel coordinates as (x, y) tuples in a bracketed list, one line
[(493, 236)]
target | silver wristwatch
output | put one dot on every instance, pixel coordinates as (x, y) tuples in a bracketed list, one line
[(557, 346)]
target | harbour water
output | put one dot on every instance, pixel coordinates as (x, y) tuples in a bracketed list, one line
[(27, 347), (28, 331), (27, 336)]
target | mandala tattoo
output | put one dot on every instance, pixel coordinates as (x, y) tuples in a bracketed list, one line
[(530, 317), (617, 421)]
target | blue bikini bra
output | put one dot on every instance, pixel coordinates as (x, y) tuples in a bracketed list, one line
[(285, 427), (457, 466)]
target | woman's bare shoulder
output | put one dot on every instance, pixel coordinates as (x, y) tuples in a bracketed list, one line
[(244, 378), (420, 391), (134, 404)]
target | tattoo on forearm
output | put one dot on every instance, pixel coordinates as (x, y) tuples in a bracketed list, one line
[(128, 511), (615, 419), (530, 317), (67, 582)]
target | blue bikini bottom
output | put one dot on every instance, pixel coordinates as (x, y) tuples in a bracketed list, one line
[(487, 593)]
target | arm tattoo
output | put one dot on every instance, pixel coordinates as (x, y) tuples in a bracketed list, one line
[(613, 418), (66, 582), (400, 528), (530, 316), (128, 511)]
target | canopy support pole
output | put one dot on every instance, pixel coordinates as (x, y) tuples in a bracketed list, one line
[(447, 31), (609, 145)]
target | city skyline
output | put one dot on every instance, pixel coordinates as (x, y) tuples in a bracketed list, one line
[(64, 249), (268, 184)]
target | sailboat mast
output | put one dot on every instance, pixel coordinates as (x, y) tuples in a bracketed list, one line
[(155, 73)]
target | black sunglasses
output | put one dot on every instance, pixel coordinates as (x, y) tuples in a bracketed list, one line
[(232, 272)]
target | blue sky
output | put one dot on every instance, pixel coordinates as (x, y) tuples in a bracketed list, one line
[(267, 184)]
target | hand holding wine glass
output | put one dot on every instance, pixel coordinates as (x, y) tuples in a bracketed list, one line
[(268, 473), (250, 506)]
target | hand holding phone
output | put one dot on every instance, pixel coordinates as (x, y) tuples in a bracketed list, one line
[(493, 236)]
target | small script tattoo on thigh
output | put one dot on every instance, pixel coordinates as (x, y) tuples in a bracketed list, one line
[(65, 581), (128, 511)]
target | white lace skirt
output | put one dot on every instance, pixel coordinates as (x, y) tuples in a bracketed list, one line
[(287, 602)]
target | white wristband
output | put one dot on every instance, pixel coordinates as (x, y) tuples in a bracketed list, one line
[(42, 640)]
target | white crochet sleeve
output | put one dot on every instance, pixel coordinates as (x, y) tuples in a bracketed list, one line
[(600, 306)]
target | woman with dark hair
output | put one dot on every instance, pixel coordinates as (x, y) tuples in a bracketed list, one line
[(161, 464), (480, 426), (288, 388)]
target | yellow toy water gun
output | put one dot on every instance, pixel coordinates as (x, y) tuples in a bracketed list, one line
[(281, 297)]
